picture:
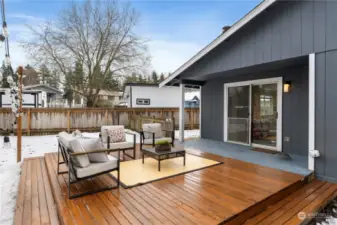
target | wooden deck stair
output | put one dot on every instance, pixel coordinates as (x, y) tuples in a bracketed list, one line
[(309, 199), (251, 194)]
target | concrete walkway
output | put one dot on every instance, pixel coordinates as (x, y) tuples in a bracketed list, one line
[(297, 164)]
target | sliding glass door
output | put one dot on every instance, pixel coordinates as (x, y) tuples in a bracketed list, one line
[(264, 115), (238, 114), (252, 113)]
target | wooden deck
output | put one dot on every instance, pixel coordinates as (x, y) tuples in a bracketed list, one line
[(230, 193)]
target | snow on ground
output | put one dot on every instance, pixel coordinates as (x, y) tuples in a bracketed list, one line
[(33, 146)]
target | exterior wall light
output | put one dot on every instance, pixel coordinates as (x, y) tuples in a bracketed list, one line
[(286, 86)]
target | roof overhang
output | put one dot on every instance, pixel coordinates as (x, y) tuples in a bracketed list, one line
[(238, 25)]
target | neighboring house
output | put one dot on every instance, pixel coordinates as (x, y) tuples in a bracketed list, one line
[(51, 96), (39, 95), (192, 99), (31, 98), (270, 81), (150, 96), (114, 97)]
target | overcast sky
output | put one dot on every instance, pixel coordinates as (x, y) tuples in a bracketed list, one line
[(176, 29)]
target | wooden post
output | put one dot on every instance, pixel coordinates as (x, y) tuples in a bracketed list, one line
[(19, 119), (28, 122), (68, 115), (106, 117), (190, 118), (182, 113)]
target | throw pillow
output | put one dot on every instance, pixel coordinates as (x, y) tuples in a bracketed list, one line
[(80, 160), (92, 144), (116, 134)]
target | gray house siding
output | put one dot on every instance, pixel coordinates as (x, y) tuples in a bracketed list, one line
[(295, 107), (326, 114), (287, 29)]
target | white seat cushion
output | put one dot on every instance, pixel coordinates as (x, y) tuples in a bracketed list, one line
[(152, 128), (96, 168), (149, 141), (119, 145)]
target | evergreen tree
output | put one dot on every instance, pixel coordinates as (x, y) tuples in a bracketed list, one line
[(6, 71), (154, 77), (78, 76), (131, 79), (162, 77), (44, 74), (68, 92), (141, 80), (54, 79)]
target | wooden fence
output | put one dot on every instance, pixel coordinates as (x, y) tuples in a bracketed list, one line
[(53, 120)]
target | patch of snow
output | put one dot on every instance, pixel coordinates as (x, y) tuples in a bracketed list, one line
[(188, 134), (9, 180), (33, 146)]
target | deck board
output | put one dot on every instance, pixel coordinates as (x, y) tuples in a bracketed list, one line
[(35, 202), (230, 193)]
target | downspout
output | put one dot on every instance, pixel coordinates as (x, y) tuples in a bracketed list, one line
[(313, 153)]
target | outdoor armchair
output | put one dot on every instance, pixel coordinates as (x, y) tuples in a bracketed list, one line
[(113, 137), (153, 132), (87, 158)]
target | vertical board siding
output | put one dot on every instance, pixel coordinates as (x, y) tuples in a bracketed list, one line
[(320, 112), (295, 107), (330, 154), (307, 26), (331, 25), (319, 25), (287, 29)]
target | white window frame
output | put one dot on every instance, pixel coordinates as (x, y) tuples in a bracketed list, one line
[(279, 81), (142, 101)]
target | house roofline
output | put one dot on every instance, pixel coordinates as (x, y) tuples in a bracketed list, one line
[(130, 84), (39, 85), (237, 26), (141, 84)]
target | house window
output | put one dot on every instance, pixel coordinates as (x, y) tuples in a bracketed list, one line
[(143, 101)]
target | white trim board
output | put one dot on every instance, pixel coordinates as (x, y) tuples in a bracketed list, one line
[(279, 81), (238, 25)]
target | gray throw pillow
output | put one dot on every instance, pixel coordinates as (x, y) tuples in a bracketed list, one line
[(81, 160), (91, 145)]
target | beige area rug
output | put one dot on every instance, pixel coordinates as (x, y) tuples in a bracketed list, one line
[(134, 172)]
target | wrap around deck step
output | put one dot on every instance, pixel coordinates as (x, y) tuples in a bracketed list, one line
[(231, 193), (309, 199)]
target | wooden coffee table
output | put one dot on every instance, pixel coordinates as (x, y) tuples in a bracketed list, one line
[(163, 155)]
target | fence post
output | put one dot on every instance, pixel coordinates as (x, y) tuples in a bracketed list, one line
[(68, 120), (106, 117), (28, 122)]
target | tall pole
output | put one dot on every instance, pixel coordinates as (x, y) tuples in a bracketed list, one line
[(19, 121)]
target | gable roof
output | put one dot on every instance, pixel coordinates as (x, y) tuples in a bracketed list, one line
[(237, 26)]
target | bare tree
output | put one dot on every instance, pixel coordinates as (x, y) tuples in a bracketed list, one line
[(98, 34)]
